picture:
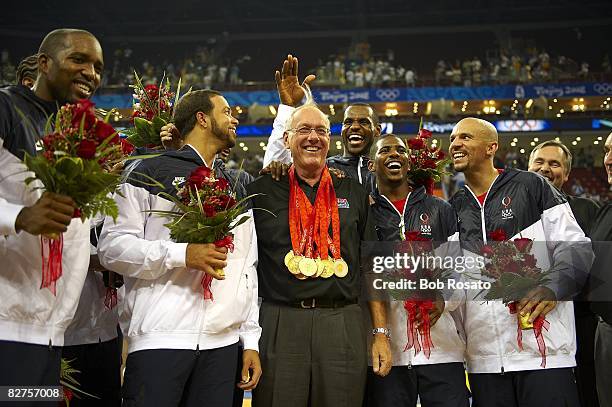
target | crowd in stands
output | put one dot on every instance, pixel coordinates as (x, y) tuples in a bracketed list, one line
[(497, 67), (208, 66)]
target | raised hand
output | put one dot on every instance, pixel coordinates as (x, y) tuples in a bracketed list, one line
[(290, 91)]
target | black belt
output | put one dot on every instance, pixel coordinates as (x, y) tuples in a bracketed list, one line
[(316, 303)]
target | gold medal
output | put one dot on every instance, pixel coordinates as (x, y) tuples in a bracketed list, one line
[(340, 268), (308, 267), (524, 321), (294, 264), (320, 267), (288, 257), (300, 276), (328, 268)]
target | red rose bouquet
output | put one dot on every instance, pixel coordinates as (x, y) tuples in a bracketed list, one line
[(515, 274), (427, 163), (207, 213), (419, 302), (152, 106), (77, 152)]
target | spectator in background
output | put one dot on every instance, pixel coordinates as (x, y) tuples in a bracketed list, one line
[(410, 77), (553, 160)]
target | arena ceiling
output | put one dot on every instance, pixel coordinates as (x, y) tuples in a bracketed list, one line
[(156, 21)]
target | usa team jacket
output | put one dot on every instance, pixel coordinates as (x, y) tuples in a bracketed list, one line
[(27, 313), (436, 220), (523, 204), (164, 305)]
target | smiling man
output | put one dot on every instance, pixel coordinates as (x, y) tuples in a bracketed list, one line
[(313, 345), (438, 380), (33, 320), (522, 204), (169, 325), (553, 160), (360, 128)]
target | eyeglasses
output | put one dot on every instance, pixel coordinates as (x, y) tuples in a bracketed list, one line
[(305, 131)]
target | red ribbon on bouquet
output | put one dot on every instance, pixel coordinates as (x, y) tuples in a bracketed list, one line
[(414, 307), (51, 252), (539, 324), (227, 241)]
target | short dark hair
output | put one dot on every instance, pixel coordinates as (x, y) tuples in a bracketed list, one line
[(184, 115), (27, 68), (374, 147), (567, 161), (362, 104), (55, 41)]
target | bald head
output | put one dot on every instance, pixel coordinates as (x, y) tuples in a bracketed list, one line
[(473, 145), (479, 128), (57, 40)]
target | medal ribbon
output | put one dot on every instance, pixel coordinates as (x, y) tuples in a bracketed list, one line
[(309, 224)]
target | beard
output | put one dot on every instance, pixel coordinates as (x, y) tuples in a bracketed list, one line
[(221, 134)]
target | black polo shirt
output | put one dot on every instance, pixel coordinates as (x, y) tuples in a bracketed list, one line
[(276, 283)]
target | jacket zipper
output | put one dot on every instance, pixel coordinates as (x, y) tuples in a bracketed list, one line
[(402, 224), (484, 238)]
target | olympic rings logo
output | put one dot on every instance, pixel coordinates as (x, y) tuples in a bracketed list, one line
[(387, 94), (603, 88)]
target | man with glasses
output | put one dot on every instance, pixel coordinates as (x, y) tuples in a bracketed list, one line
[(310, 227)]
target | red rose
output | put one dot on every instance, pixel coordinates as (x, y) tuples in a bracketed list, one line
[(84, 108), (222, 184), (440, 155), (522, 244), (424, 133), (487, 251), (428, 163), (126, 147), (416, 143), (198, 177), (498, 235), (152, 91), (209, 210), (87, 149), (105, 130)]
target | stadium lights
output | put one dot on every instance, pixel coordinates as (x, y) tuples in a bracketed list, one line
[(272, 110), (596, 142), (513, 144), (245, 148), (522, 151), (532, 144), (536, 139), (574, 142), (241, 144), (599, 138), (557, 139), (515, 139), (529, 103), (578, 138)]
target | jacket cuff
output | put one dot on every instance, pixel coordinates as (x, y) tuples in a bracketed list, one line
[(250, 341), (177, 255), (9, 216), (284, 111)]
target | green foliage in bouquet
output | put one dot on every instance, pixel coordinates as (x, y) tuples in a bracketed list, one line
[(78, 152), (152, 111)]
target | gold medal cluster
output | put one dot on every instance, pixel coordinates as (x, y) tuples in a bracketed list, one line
[(303, 267)]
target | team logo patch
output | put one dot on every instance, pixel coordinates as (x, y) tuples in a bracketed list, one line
[(425, 226), (178, 181), (506, 212), (342, 203)]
